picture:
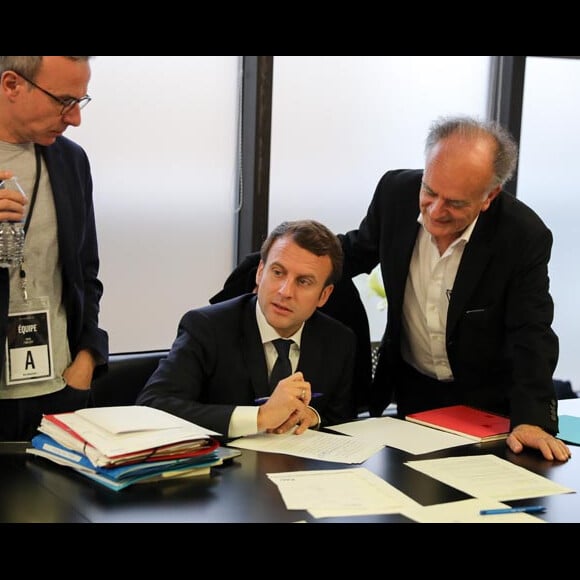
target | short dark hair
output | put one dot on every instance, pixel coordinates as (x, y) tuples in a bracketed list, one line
[(312, 236)]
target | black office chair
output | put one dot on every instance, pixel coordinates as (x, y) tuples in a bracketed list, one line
[(125, 376), (344, 305), (564, 389)]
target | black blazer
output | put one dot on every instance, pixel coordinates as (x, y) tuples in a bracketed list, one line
[(501, 347), (71, 182), (344, 304), (217, 362)]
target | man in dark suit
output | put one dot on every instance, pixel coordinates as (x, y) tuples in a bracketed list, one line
[(465, 268), (220, 361), (344, 304), (57, 288)]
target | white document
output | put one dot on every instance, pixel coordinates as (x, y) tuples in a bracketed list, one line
[(93, 426), (466, 511), (340, 492), (488, 476), (311, 444), (125, 419), (569, 407), (400, 434)]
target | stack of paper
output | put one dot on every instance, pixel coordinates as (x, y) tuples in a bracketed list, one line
[(119, 446)]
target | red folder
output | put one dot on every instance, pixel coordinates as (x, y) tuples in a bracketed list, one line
[(466, 421)]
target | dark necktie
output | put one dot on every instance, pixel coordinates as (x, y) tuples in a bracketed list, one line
[(282, 367)]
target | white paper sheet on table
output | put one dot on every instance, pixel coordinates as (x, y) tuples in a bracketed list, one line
[(401, 434), (488, 476), (466, 511), (569, 407), (340, 492), (311, 444)]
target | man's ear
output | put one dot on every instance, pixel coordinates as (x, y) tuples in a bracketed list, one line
[(259, 273), (9, 81), (490, 197), (325, 295)]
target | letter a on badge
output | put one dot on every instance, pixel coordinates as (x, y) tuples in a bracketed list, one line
[(29, 360)]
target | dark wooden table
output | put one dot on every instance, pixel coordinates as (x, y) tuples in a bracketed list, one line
[(35, 490)]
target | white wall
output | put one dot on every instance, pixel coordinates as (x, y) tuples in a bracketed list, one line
[(161, 134), (340, 122)]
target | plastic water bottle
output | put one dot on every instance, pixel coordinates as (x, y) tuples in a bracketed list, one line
[(11, 234)]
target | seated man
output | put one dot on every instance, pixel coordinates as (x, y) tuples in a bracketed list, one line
[(220, 361), (344, 304)]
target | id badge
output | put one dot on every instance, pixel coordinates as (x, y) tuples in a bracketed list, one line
[(28, 343)]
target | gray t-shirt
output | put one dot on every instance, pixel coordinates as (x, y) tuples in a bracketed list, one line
[(42, 267)]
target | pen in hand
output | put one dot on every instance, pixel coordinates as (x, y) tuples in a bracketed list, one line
[(530, 509), (261, 400)]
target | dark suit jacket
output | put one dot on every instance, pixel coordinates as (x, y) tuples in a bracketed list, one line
[(217, 362), (70, 178), (344, 304), (499, 340)]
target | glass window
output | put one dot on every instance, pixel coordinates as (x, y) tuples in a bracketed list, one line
[(547, 181), (340, 122), (161, 136)]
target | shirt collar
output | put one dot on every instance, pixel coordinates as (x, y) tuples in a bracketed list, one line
[(268, 333), (464, 237)]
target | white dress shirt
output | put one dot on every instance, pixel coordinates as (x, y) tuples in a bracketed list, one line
[(427, 295), (244, 419)]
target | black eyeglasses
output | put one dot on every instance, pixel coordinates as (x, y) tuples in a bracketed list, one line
[(67, 103)]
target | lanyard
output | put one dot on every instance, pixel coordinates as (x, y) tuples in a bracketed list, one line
[(29, 215)]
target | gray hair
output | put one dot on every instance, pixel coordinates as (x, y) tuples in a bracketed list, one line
[(506, 153), (28, 65)]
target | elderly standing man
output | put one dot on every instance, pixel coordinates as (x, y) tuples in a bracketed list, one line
[(465, 268)]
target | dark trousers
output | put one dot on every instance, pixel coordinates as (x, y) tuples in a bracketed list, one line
[(20, 418), (416, 392)]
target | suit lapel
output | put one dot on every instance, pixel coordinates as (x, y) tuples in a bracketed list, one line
[(58, 172), (253, 351), (399, 248), (400, 261), (474, 261), (310, 361)]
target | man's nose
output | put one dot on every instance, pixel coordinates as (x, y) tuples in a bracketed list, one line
[(286, 287), (73, 117), (435, 207)]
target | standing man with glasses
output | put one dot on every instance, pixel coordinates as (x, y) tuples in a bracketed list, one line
[(50, 340)]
